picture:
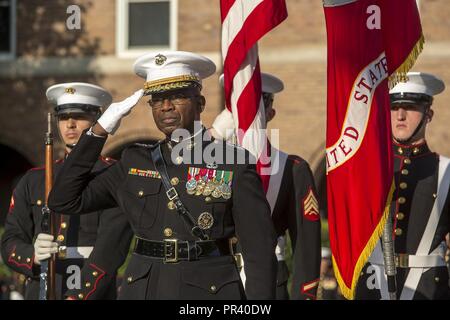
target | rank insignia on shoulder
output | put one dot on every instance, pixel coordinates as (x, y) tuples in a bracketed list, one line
[(144, 173), (311, 206), (208, 181)]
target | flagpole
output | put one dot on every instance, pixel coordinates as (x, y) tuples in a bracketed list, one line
[(389, 258)]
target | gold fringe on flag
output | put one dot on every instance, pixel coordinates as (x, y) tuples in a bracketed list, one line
[(400, 74), (349, 293)]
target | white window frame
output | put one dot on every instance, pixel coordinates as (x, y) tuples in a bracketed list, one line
[(122, 15), (11, 55)]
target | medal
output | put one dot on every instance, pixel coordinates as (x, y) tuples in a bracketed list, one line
[(225, 187), (191, 184), (226, 191), (217, 193), (226, 196), (208, 188), (200, 187)]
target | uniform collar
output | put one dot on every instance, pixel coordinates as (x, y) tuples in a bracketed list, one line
[(192, 136), (189, 141), (410, 151)]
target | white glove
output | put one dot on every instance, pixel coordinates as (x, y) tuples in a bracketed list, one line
[(44, 247), (110, 119), (224, 125)]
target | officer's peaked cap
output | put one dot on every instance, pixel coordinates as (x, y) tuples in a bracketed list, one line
[(170, 70)]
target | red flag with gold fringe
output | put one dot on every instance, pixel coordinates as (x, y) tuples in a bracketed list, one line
[(371, 45)]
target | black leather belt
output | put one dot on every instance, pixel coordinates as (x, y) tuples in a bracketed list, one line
[(174, 250)]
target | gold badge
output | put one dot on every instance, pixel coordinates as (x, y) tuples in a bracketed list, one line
[(70, 90), (160, 59), (205, 221)]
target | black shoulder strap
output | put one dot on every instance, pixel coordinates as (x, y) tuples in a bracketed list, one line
[(172, 194)]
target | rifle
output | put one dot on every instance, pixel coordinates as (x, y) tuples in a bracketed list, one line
[(48, 267)]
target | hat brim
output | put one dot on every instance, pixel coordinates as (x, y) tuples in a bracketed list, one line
[(411, 98), (77, 108)]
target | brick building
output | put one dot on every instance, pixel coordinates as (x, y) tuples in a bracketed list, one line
[(37, 50)]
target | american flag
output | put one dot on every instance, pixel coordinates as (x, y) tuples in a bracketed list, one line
[(244, 22)]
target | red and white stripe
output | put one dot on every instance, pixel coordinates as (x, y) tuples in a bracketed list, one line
[(244, 22)]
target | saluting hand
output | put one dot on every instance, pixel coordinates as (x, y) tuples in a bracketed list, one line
[(110, 120), (44, 247)]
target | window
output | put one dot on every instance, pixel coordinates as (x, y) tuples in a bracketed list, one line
[(145, 25), (7, 29)]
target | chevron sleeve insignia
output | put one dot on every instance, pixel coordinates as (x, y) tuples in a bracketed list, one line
[(311, 206)]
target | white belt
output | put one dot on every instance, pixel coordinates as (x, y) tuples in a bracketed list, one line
[(414, 261), (74, 252), (280, 250)]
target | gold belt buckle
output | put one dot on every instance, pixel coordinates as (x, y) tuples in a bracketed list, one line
[(232, 242), (402, 260), (62, 252), (170, 258)]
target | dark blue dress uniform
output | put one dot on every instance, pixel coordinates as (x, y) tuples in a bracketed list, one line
[(416, 182), (296, 210), (85, 267), (169, 262)]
